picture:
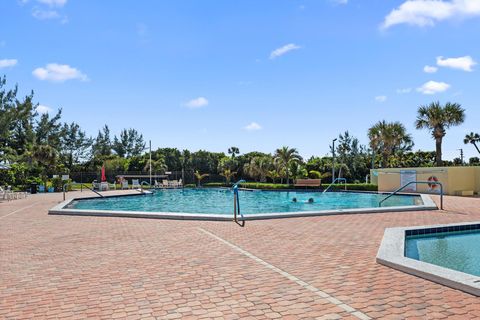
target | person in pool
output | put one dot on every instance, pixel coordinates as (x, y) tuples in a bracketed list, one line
[(308, 201)]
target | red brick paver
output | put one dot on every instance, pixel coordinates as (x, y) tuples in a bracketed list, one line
[(124, 268)]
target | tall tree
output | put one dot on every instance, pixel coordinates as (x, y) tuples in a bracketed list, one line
[(387, 138), (75, 144), (49, 130), (285, 156), (438, 119), (472, 138), (130, 143), (102, 145)]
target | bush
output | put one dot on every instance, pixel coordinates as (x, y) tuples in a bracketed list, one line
[(356, 186), (277, 186)]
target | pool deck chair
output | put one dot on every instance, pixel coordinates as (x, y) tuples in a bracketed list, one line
[(308, 183), (136, 184), (124, 184)]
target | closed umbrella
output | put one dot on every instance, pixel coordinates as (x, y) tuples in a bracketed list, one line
[(104, 177)]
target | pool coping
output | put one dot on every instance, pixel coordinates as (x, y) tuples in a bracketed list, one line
[(59, 209), (392, 254)]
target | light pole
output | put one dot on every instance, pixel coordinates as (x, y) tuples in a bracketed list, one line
[(150, 162), (333, 160), (461, 155)]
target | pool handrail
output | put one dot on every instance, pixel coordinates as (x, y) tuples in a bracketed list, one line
[(91, 189), (416, 182), (236, 204), (333, 182)]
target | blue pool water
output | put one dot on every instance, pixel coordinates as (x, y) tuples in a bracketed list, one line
[(220, 201), (458, 250)]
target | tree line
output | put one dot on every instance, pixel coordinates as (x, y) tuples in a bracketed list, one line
[(34, 146)]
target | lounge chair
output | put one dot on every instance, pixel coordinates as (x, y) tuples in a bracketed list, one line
[(136, 184), (124, 184), (165, 183), (180, 183), (156, 184)]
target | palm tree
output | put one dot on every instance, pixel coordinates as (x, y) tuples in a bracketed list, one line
[(286, 156), (438, 119), (200, 177), (387, 138), (228, 174), (233, 151), (258, 167), (46, 156), (472, 138)]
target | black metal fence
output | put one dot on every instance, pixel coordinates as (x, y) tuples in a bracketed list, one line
[(187, 176)]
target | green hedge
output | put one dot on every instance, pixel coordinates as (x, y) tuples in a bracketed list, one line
[(356, 186), (277, 186)]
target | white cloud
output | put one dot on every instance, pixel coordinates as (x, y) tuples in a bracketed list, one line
[(45, 14), (253, 126), (8, 63), (59, 73), (340, 1), (432, 87), (428, 12), (53, 3), (381, 98), (43, 109), (430, 69), (283, 50), (462, 63), (197, 103), (404, 90)]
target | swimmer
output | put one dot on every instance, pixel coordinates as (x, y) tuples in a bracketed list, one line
[(294, 200), (310, 200)]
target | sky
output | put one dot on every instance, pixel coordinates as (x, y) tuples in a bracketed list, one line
[(253, 74)]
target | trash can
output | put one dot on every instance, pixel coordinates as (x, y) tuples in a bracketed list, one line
[(33, 188)]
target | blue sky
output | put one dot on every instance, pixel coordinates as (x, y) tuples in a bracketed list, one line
[(253, 74)]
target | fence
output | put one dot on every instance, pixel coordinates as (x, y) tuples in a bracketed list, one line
[(187, 176)]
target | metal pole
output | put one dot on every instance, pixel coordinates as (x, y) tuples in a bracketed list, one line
[(333, 160), (150, 143)]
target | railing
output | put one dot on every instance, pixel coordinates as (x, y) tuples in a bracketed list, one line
[(142, 184), (416, 182), (91, 189), (236, 205), (333, 182)]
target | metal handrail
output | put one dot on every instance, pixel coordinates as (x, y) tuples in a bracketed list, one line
[(333, 182), (416, 182), (236, 205), (91, 189)]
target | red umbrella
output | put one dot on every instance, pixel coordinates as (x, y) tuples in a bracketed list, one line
[(104, 177)]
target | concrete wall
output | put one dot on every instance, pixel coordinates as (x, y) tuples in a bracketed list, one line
[(455, 180)]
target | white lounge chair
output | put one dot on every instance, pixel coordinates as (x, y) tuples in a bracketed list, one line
[(157, 184), (165, 183), (124, 184), (180, 183), (136, 184)]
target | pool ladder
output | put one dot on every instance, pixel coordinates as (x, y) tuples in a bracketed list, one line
[(430, 183), (333, 182), (236, 205)]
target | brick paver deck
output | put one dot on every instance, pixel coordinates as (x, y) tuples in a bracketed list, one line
[(309, 268)]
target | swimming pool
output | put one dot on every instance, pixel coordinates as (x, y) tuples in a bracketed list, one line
[(217, 204), (446, 254), (457, 250), (220, 201)]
